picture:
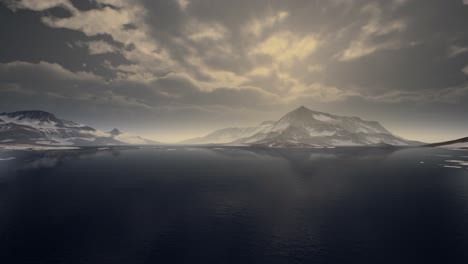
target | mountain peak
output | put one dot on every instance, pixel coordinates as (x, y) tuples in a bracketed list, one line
[(115, 132), (301, 112), (302, 108), (32, 114)]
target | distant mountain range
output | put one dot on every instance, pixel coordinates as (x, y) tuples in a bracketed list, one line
[(44, 128), (304, 128), (299, 128)]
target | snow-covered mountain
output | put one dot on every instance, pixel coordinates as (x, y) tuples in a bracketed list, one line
[(129, 139), (115, 132), (43, 128), (304, 127)]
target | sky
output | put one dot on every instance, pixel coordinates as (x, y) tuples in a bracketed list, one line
[(170, 70)]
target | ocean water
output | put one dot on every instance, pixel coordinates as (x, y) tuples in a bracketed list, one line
[(234, 205)]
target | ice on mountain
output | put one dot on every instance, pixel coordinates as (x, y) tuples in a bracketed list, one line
[(322, 118)]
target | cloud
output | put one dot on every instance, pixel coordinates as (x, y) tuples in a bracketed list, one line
[(203, 31), (53, 80), (260, 71), (455, 50), (38, 5), (98, 21), (360, 48), (170, 90), (183, 4), (263, 52), (99, 47), (257, 26), (138, 45), (13, 71), (450, 95), (315, 68), (364, 45), (319, 92), (465, 70), (285, 47)]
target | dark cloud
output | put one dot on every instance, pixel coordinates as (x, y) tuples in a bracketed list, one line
[(25, 38), (89, 98), (86, 5)]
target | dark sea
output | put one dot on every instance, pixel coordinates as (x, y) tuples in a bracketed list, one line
[(234, 205)]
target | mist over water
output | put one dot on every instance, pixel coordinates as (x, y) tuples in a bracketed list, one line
[(234, 205)]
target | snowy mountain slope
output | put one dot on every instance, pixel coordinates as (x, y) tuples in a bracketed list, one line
[(228, 135), (306, 127), (115, 132), (40, 119), (461, 143), (44, 128), (130, 139)]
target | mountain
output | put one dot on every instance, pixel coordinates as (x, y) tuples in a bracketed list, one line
[(230, 135), (304, 127), (130, 139), (461, 143), (44, 128), (115, 132)]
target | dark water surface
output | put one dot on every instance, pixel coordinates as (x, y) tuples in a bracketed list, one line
[(234, 205)]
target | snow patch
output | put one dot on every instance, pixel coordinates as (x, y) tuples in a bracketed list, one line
[(322, 118), (56, 142), (365, 128), (344, 143), (96, 133), (281, 126), (373, 140), (323, 133), (28, 122)]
